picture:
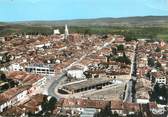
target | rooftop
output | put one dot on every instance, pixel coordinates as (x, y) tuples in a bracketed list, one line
[(86, 83), (83, 103), (23, 77), (41, 65), (158, 74), (30, 106), (7, 95)]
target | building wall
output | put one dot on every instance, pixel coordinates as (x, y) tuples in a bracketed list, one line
[(40, 82), (2, 106), (15, 67), (142, 101), (40, 70), (37, 86), (161, 80), (23, 96), (120, 112), (19, 97)]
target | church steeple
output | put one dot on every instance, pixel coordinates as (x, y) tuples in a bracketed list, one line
[(66, 32)]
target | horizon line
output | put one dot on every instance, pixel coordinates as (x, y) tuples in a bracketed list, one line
[(38, 20)]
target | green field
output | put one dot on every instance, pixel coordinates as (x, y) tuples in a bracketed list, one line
[(163, 36)]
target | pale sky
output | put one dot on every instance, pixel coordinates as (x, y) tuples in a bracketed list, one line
[(24, 10)]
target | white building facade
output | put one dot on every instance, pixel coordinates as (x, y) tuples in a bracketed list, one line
[(40, 69)]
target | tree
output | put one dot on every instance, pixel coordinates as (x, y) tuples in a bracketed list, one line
[(87, 31), (123, 59), (3, 76), (157, 65), (120, 47), (105, 112), (151, 62), (114, 51), (87, 74), (159, 91), (164, 56), (110, 57), (148, 75), (48, 106), (157, 49), (130, 37), (51, 103)]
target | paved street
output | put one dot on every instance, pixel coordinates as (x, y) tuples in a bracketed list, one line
[(128, 91), (56, 82)]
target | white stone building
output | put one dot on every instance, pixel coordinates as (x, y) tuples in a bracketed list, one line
[(40, 69)]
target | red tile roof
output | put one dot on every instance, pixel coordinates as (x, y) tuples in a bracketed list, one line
[(10, 93), (84, 103), (23, 77)]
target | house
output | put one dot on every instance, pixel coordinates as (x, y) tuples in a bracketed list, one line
[(33, 105), (2, 39), (162, 43), (156, 110), (119, 39), (13, 96), (15, 67), (42, 46), (164, 64), (142, 96), (56, 32), (130, 108), (142, 71), (88, 112), (40, 69), (117, 106), (29, 85), (82, 103), (159, 77), (143, 86), (124, 108), (143, 61), (78, 74), (84, 106), (37, 82)]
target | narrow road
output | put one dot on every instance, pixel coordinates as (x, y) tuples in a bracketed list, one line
[(128, 91), (51, 89)]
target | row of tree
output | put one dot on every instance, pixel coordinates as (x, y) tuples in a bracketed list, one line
[(131, 33), (47, 108), (8, 83)]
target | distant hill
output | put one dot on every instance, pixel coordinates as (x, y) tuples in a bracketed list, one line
[(146, 21), (2, 23), (132, 27)]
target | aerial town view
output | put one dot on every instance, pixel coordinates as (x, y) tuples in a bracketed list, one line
[(83, 58)]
